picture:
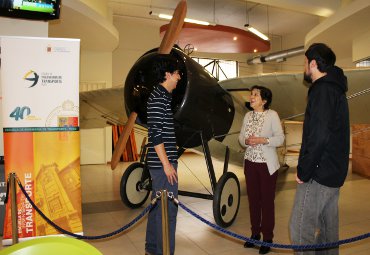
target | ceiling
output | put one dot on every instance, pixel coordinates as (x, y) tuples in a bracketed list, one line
[(278, 17), (77, 20)]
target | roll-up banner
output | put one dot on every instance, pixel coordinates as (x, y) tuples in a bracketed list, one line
[(40, 86)]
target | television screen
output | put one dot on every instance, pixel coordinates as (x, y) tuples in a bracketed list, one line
[(30, 9)]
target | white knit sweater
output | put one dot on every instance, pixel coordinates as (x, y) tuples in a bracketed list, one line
[(273, 131)]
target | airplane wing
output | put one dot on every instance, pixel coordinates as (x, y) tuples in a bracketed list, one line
[(103, 107), (100, 108), (289, 92)]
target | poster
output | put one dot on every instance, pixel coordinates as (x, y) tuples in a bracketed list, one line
[(40, 94)]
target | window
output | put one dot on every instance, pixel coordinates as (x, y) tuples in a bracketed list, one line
[(365, 63), (220, 69)]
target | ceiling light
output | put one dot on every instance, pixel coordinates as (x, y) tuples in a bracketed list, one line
[(199, 22), (252, 29), (256, 32)]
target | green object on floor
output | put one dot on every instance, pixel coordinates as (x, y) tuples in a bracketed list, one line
[(51, 245)]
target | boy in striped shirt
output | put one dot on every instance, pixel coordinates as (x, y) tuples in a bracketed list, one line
[(162, 151)]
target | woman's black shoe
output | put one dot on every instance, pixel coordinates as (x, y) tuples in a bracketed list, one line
[(251, 245), (265, 249)]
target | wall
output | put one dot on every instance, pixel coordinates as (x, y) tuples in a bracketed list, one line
[(292, 41), (361, 49), (91, 67), (100, 6), (137, 36), (20, 27), (287, 42), (96, 68), (96, 145)]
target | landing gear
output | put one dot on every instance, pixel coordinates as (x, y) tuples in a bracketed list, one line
[(226, 192), (226, 199), (135, 186)]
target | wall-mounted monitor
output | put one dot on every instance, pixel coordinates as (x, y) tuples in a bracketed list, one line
[(30, 9)]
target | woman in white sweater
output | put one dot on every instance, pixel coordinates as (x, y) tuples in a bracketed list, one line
[(261, 133)]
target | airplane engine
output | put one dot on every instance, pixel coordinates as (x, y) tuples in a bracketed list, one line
[(199, 103)]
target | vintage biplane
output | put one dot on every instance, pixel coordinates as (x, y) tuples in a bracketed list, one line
[(206, 112)]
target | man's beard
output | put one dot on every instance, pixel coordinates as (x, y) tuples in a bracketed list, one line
[(307, 78)]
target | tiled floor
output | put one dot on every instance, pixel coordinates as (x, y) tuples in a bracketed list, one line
[(103, 212)]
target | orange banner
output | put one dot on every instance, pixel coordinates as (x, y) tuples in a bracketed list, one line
[(50, 176), (40, 95)]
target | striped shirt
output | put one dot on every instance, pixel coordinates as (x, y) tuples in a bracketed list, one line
[(161, 128)]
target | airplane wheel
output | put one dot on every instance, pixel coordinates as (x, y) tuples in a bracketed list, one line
[(226, 199), (132, 192)]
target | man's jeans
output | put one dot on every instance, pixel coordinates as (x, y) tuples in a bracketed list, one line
[(153, 240), (314, 217)]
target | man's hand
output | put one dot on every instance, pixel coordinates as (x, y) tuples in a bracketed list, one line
[(169, 170), (171, 173), (297, 179)]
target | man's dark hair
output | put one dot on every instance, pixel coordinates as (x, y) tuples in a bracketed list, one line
[(265, 93), (324, 56), (164, 63)]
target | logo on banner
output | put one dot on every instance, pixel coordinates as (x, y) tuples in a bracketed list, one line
[(58, 49), (24, 112), (45, 78), (31, 77), (20, 112), (63, 116)]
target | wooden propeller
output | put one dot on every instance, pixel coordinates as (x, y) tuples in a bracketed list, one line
[(174, 28), (167, 43)]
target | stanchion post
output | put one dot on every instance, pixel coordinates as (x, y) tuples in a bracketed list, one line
[(13, 206), (165, 234)]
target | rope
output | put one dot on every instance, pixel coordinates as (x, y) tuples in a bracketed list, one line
[(146, 210), (214, 226), (273, 245)]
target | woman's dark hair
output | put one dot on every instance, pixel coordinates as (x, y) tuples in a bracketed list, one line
[(265, 93), (324, 56), (163, 63)]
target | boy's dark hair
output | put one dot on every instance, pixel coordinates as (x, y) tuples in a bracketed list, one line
[(164, 63), (265, 93), (324, 56)]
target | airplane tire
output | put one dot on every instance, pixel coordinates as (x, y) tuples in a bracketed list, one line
[(226, 199), (131, 193)]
